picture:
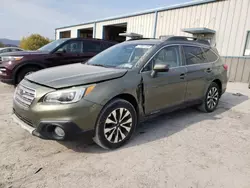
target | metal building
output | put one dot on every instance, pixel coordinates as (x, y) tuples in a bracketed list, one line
[(226, 23)]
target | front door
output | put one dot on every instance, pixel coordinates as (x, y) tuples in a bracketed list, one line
[(70, 52), (165, 89)]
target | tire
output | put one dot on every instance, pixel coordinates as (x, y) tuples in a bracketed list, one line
[(25, 71), (119, 130), (211, 99)]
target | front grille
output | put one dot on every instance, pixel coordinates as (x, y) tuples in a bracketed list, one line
[(24, 119), (24, 95)]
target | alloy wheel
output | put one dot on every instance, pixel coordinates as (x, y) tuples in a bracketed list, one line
[(118, 125), (212, 98)]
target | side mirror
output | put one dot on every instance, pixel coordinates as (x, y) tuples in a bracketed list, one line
[(160, 68), (60, 51)]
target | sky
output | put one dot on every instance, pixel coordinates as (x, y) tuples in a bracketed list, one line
[(21, 18)]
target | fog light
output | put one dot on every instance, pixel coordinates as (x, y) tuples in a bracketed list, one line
[(59, 132)]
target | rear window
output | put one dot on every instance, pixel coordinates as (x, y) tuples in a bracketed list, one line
[(194, 55), (210, 55)]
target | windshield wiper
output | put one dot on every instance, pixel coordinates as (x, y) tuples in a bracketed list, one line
[(100, 65)]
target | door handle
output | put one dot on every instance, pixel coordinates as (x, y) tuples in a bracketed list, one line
[(209, 70), (182, 76)]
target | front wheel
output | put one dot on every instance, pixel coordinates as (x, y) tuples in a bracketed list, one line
[(211, 98), (115, 124)]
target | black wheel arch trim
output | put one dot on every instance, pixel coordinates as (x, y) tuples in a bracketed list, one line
[(24, 64)]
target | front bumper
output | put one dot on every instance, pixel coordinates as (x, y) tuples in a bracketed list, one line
[(5, 78), (7, 81), (41, 119), (45, 130)]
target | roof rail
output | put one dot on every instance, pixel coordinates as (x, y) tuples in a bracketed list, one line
[(183, 38), (139, 39)]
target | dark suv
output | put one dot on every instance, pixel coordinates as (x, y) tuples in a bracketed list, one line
[(14, 66), (116, 89)]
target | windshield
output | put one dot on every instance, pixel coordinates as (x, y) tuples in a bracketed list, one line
[(51, 46), (120, 56)]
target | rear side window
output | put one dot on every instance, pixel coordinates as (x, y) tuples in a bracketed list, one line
[(210, 55), (16, 50), (194, 55), (92, 46), (6, 50)]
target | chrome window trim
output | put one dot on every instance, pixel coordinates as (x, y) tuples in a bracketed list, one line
[(201, 46)]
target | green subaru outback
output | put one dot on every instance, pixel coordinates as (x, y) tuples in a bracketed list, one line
[(110, 94)]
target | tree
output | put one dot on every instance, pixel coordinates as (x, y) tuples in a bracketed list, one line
[(33, 42), (1, 45)]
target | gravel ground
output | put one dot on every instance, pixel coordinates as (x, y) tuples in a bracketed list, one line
[(184, 149)]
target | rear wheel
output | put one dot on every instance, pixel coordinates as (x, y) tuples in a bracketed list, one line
[(115, 124), (211, 99), (24, 72)]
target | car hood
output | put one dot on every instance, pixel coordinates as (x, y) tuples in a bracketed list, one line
[(75, 74), (24, 53)]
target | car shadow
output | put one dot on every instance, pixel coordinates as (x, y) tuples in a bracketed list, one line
[(162, 126)]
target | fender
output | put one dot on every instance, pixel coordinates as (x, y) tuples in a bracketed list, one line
[(27, 63)]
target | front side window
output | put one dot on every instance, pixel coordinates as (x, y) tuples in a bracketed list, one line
[(120, 56), (194, 55), (72, 47), (52, 45), (210, 55), (247, 48), (168, 56)]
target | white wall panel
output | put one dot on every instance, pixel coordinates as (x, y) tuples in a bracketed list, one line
[(229, 18), (229, 24), (242, 27), (234, 28)]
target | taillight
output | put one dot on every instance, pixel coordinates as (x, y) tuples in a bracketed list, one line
[(225, 67)]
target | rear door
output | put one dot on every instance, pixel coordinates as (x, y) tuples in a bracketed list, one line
[(90, 49), (166, 89), (199, 72)]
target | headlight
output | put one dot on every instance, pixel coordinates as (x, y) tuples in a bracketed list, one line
[(67, 96), (11, 58)]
